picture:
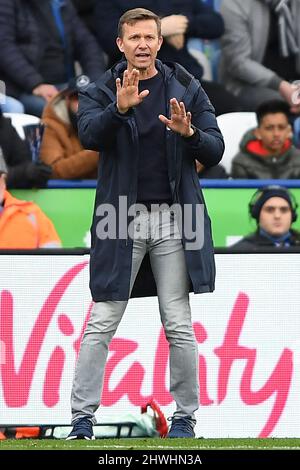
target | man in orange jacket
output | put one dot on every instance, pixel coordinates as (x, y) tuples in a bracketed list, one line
[(22, 223)]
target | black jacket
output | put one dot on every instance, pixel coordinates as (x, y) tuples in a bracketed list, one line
[(255, 240), (102, 128), (26, 27), (204, 23), (16, 153)]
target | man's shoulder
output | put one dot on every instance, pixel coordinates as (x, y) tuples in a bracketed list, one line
[(105, 84), (295, 237), (295, 153), (181, 74)]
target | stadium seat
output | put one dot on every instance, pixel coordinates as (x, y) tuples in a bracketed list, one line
[(19, 120), (233, 126)]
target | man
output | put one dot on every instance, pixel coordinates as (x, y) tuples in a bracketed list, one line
[(40, 42), (267, 152), (22, 223), (61, 148), (275, 210), (146, 158), (261, 51)]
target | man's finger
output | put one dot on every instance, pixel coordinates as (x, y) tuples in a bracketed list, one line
[(125, 79), (118, 85), (165, 120), (182, 108), (175, 108), (143, 94), (130, 78), (135, 77)]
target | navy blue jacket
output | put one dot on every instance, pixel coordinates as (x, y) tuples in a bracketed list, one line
[(204, 23), (102, 128), (25, 27)]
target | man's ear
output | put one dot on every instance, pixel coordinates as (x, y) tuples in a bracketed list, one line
[(120, 45), (257, 133), (160, 41)]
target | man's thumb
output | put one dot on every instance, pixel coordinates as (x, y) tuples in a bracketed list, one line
[(143, 94)]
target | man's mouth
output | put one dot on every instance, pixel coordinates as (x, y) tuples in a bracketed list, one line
[(142, 55)]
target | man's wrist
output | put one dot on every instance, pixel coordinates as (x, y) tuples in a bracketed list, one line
[(122, 111), (192, 131)]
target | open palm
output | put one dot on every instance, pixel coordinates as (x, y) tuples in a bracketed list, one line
[(128, 92), (180, 121)]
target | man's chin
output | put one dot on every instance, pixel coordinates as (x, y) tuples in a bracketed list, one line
[(277, 234), (141, 66)]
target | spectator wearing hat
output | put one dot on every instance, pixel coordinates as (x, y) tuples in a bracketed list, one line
[(61, 147), (22, 223), (275, 210), (267, 152)]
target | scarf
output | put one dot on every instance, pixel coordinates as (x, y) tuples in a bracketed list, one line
[(286, 26)]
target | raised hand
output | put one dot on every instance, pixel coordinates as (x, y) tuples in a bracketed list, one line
[(181, 121), (128, 92), (174, 24)]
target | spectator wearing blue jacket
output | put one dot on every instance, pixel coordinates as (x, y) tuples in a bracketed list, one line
[(40, 42)]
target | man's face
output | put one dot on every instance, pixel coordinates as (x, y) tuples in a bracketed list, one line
[(140, 44), (2, 187), (273, 131), (275, 216)]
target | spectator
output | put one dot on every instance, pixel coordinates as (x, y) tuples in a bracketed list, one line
[(181, 20), (214, 172), (40, 42), (61, 148), (267, 152), (22, 172), (22, 224), (275, 210), (261, 50)]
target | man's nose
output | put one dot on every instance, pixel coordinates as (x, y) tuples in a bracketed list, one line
[(277, 213), (143, 43)]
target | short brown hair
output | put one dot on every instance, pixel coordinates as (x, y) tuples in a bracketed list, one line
[(138, 14)]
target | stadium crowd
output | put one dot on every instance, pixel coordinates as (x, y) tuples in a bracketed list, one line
[(245, 54)]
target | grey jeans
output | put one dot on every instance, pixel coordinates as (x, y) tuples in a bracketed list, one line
[(172, 281)]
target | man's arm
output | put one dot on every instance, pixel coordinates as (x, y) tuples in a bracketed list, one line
[(198, 129)]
